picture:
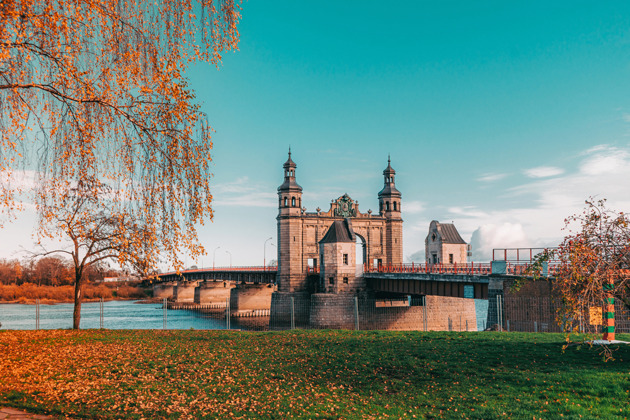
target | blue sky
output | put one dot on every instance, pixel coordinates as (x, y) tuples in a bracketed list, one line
[(502, 117)]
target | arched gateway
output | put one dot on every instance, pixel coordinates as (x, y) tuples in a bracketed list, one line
[(299, 232)]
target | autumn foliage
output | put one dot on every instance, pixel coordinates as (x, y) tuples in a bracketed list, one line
[(48, 271), (29, 292), (96, 90), (308, 375), (592, 261)]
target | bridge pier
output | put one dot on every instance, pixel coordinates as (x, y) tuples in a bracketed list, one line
[(185, 291), (251, 297), (213, 291), (164, 290)]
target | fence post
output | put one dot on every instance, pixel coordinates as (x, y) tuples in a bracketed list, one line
[(508, 325), (37, 314), (292, 313), (164, 308), (356, 313), (101, 310), (466, 325), (227, 313), (499, 313), (535, 326), (424, 312)]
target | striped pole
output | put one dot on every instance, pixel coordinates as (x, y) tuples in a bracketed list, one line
[(609, 314)]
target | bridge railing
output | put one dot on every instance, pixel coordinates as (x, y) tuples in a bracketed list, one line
[(521, 268), (259, 268), (518, 255), (467, 268)]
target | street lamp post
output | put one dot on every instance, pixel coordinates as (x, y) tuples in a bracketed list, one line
[(265, 253), (230, 254), (214, 254)]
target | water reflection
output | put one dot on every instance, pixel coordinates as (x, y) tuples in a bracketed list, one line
[(117, 315)]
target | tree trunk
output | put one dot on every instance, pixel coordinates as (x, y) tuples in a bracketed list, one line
[(78, 297)]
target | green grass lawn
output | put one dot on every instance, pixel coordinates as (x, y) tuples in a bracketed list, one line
[(310, 374)]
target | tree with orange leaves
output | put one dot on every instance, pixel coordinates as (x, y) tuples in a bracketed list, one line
[(96, 90), (593, 265)]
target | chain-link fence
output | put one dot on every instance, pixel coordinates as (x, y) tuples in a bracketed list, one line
[(316, 311), (545, 314)]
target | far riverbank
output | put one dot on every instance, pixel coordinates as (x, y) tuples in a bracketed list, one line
[(28, 293)]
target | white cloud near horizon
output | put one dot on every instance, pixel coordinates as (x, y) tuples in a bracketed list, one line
[(544, 203), (490, 236)]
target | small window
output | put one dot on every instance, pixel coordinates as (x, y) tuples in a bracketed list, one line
[(293, 202), (450, 258), (331, 280), (345, 259), (387, 206), (395, 208), (286, 202), (345, 280), (433, 237)]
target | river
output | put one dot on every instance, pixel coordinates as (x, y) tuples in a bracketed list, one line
[(117, 315)]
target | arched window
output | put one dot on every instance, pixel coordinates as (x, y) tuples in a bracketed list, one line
[(286, 201), (387, 206), (395, 208), (293, 202)]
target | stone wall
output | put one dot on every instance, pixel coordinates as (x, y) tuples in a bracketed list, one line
[(443, 313), (282, 304), (332, 311), (446, 313), (459, 251)]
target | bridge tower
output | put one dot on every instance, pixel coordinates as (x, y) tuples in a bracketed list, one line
[(389, 200), (290, 262)]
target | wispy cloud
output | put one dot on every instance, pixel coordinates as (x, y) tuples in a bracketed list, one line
[(413, 207), (244, 192), (491, 177), (543, 172)]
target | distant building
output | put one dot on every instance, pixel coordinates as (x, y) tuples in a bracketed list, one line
[(444, 245)]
